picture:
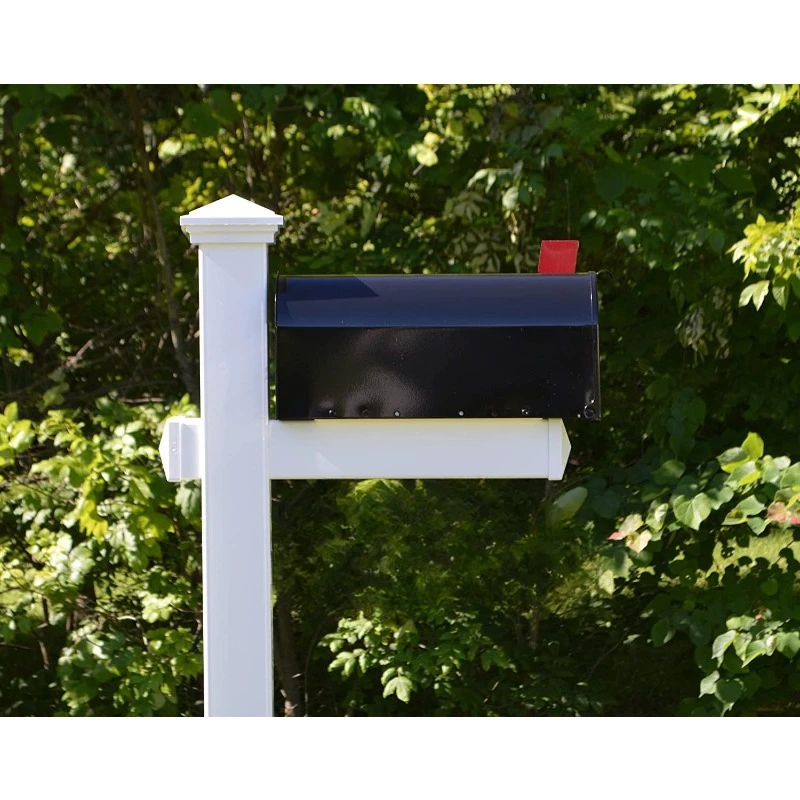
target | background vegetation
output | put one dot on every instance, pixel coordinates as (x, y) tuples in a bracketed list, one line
[(659, 578)]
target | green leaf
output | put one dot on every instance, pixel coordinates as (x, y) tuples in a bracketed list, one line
[(426, 155), (740, 644), (656, 516), (709, 684), (199, 118), (787, 643), (742, 623), (745, 474), (751, 505), (510, 198), (567, 505), (753, 445), (773, 468), (223, 105), (780, 291), (638, 541), (721, 644), (669, 472), (755, 292), (661, 632), (791, 478), (39, 324), (757, 525), (21, 435), (345, 661), (11, 412), (691, 511), (754, 650), (610, 182), (718, 497), (746, 508), (188, 500), (731, 459), (400, 686), (631, 524), (729, 691)]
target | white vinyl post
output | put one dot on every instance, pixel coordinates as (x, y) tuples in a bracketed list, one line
[(233, 235), (235, 450)]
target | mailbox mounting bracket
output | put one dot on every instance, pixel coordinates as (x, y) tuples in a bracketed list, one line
[(378, 448)]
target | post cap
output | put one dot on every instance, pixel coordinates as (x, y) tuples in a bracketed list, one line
[(232, 220)]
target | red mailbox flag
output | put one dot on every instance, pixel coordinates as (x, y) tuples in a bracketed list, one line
[(558, 256)]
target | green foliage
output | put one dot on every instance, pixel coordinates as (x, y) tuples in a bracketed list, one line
[(459, 615), (658, 579), (731, 592), (100, 562)]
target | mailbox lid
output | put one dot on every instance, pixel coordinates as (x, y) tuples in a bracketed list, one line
[(436, 301)]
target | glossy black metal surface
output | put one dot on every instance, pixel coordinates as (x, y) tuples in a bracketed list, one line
[(437, 346), (436, 301), (437, 372)]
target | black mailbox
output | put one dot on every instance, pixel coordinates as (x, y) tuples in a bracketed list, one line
[(437, 346)]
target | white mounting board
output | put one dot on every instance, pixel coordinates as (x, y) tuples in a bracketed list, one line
[(418, 448)]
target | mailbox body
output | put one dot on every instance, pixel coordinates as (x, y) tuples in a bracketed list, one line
[(444, 346)]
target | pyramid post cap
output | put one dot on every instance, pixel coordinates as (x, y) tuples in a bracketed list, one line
[(231, 219)]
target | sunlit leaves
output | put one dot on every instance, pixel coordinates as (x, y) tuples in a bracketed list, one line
[(721, 644), (755, 293), (691, 510), (399, 685), (788, 643), (89, 540), (709, 684), (753, 445)]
